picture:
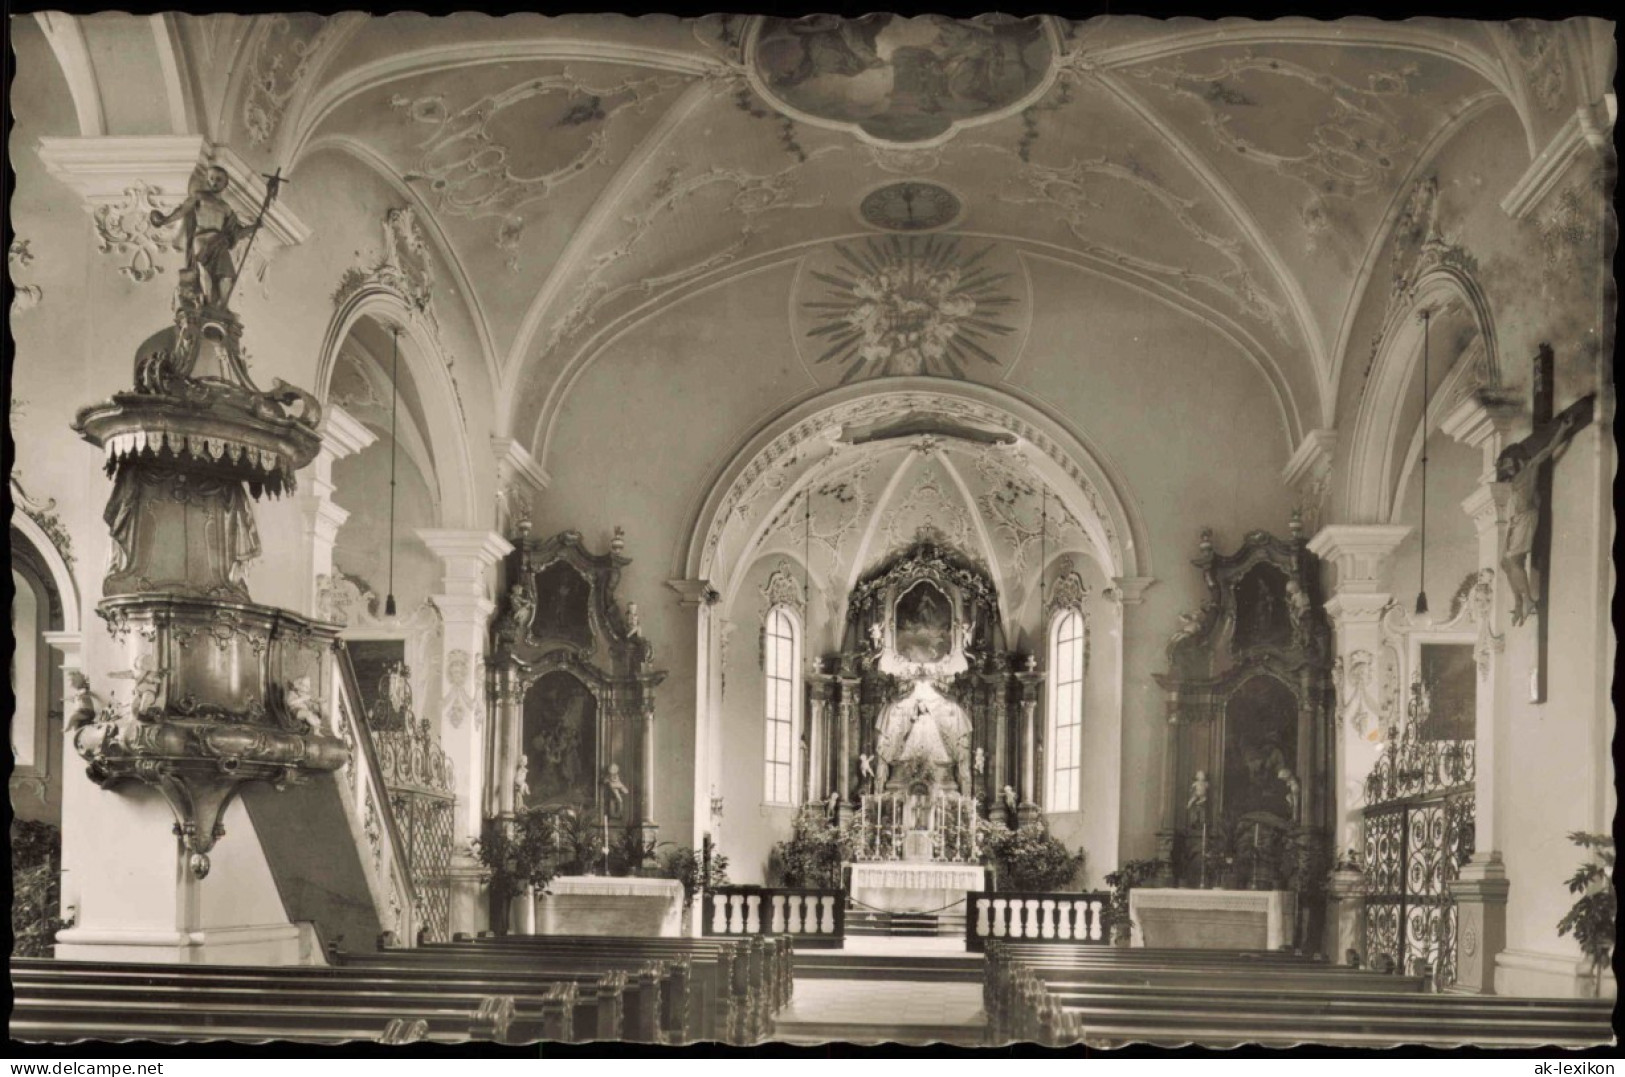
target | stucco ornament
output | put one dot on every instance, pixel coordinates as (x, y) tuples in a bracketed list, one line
[(910, 306)]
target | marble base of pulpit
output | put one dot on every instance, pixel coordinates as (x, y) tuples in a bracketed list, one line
[(899, 886), (600, 905), (1213, 919)]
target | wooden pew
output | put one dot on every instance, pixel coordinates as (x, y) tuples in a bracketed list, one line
[(183, 1002), (754, 976), (1056, 996)]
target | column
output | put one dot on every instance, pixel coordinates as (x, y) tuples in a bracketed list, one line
[(846, 738), (1134, 667), (465, 607), (342, 435), (1484, 421), (820, 686), (699, 596), (1029, 683), (998, 767), (1360, 555)]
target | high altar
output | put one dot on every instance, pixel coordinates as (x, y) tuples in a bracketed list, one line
[(923, 721)]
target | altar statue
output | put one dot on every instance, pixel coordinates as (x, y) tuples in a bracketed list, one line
[(925, 724)]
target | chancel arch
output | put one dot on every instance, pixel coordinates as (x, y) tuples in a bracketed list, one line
[(932, 536)]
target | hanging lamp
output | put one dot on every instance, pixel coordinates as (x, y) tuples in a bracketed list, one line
[(1422, 566), (394, 408)]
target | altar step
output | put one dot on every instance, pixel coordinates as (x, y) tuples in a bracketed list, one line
[(904, 924), (843, 965)]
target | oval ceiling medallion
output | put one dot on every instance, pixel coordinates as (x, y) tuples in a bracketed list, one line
[(901, 79), (910, 207)]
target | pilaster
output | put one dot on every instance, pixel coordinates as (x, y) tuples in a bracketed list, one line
[(342, 435), (465, 606), (1361, 556), (699, 596), (1309, 473), (1480, 893), (521, 481)]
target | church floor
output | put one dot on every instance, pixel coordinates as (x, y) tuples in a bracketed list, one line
[(882, 1011)]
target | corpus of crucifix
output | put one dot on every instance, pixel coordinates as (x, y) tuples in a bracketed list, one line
[(564, 529)]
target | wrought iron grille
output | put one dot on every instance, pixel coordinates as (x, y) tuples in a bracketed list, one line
[(1414, 848), (418, 775)]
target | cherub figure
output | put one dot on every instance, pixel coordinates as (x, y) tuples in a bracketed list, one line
[(84, 701), (302, 705), (521, 608), (866, 766), (978, 761), (1297, 601), (965, 633), (1010, 800), (875, 635), (521, 781), (210, 229), (833, 805), (1293, 791), (149, 685), (616, 788), (1191, 625), (634, 623), (1197, 804)]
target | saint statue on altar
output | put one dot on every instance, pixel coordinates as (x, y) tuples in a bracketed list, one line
[(923, 724)]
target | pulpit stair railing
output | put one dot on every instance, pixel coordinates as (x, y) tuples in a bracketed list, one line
[(418, 775), (1419, 821), (367, 802), (1077, 918), (809, 916)]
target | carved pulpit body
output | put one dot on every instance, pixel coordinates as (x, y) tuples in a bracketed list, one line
[(574, 683), (222, 690), (1249, 699)]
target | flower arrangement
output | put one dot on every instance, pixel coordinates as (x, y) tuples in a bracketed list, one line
[(1030, 858), (1592, 919), (1132, 873), (689, 868), (817, 848)]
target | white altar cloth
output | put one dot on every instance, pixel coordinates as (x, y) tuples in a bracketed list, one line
[(899, 886), (603, 905), (1213, 919)]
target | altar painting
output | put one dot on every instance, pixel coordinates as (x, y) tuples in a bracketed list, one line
[(563, 599), (560, 729), (1260, 749), (1447, 698), (1263, 618), (923, 624)]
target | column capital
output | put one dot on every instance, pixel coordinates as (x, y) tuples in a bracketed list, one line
[(514, 461), (103, 169), (464, 608), (1486, 506), (1357, 607), (1360, 552), (343, 434), (1130, 590), (466, 554), (695, 593), (1481, 415), (323, 517), (1314, 454)]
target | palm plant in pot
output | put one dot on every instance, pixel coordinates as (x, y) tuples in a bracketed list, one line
[(523, 857), (1592, 919)]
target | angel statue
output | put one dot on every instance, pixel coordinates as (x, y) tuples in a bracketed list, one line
[(616, 788), (866, 766), (1191, 625), (1197, 804), (1009, 797), (302, 705), (1294, 791), (84, 701), (876, 633), (521, 782), (210, 228), (149, 684), (1298, 606)]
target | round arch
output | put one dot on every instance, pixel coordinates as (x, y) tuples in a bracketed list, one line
[(1378, 449), (447, 429), (1065, 459)]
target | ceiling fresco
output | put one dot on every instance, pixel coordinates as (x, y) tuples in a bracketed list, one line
[(577, 175), (901, 79)]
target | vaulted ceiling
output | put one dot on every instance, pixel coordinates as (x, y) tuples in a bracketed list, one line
[(580, 171)]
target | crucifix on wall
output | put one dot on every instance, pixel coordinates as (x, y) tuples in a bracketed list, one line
[(1526, 468)]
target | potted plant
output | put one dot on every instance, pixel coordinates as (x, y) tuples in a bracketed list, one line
[(813, 856), (1132, 873), (1030, 858), (521, 858), (1592, 918), (36, 875), (690, 869)]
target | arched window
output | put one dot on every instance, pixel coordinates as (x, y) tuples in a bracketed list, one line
[(781, 662), (1066, 662)]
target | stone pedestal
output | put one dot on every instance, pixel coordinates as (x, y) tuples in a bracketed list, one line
[(1480, 893), (1345, 916), (597, 905)]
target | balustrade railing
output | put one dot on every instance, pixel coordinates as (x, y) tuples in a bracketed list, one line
[(1076, 918), (1411, 766), (811, 917)]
